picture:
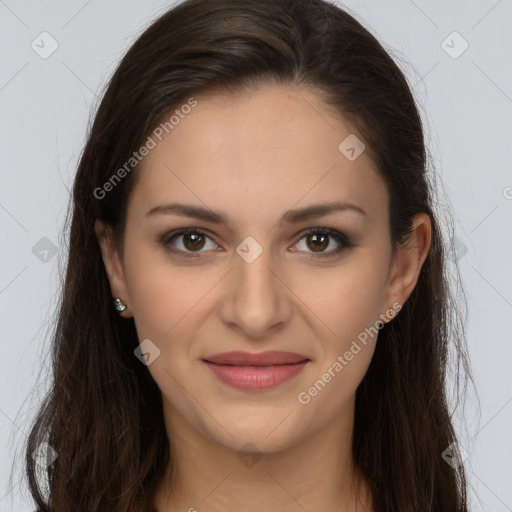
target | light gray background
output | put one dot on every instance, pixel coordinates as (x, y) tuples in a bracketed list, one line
[(467, 106)]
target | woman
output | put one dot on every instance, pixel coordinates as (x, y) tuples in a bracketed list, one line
[(255, 313)]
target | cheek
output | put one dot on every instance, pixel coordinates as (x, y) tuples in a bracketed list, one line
[(343, 302), (156, 291), (349, 309), (166, 303), (348, 303)]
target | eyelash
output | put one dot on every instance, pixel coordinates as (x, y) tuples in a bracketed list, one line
[(343, 241)]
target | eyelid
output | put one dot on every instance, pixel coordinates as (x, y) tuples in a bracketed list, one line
[(339, 236)]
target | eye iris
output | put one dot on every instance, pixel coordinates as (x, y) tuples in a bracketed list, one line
[(322, 244), (195, 240)]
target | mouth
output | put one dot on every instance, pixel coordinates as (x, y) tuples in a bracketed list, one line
[(256, 372)]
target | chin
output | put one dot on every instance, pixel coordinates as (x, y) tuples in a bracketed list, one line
[(256, 436)]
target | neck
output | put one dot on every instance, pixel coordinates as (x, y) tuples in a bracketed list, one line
[(315, 474)]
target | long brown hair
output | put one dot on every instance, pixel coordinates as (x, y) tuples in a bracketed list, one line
[(103, 414)]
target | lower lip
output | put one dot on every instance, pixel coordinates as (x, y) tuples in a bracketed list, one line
[(256, 378)]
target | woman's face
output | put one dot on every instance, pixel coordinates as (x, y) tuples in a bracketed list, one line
[(256, 281)]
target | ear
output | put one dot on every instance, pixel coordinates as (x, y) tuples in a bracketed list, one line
[(406, 266), (113, 265)]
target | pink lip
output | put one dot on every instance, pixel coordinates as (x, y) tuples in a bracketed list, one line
[(256, 372)]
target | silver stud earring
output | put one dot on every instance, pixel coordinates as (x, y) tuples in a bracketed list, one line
[(119, 305)]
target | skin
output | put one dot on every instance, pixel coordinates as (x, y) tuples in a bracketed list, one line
[(254, 156)]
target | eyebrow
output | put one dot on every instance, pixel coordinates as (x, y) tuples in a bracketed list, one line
[(289, 217)]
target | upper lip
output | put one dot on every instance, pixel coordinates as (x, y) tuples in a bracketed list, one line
[(261, 359)]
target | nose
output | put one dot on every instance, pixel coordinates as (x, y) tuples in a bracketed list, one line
[(257, 300)]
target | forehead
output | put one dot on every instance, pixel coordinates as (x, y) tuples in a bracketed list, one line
[(259, 152)]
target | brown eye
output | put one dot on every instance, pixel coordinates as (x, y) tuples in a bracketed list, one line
[(317, 240), (193, 241)]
